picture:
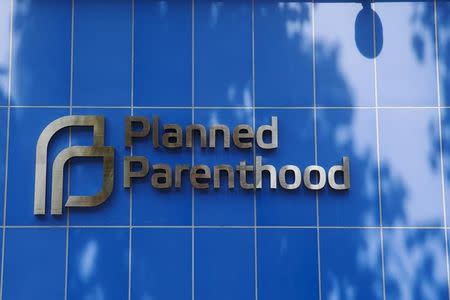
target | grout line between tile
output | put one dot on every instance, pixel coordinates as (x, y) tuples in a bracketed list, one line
[(66, 259), (441, 151), (8, 125), (319, 274), (255, 219), (130, 227), (228, 107), (380, 205), (229, 227), (192, 153)]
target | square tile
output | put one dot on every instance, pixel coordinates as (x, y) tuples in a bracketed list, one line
[(351, 133), (41, 53), (223, 53), (350, 261), (163, 53), (295, 147), (224, 264), (283, 53), (102, 53), (287, 264), (153, 206), (161, 264), (415, 264), (223, 206), (407, 58), (5, 31), (344, 54), (93, 254), (410, 169), (86, 174), (37, 269), (26, 126)]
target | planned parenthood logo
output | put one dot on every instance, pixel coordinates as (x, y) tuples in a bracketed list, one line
[(165, 176)]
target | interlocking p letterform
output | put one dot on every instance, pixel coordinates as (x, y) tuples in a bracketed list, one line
[(96, 150)]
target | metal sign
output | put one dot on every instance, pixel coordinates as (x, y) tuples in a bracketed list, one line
[(163, 176)]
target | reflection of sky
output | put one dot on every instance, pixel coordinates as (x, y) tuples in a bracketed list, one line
[(405, 149), (350, 258), (415, 264), (4, 49), (406, 67), (337, 37)]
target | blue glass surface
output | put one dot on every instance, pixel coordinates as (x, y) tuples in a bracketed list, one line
[(224, 264), (350, 262), (41, 53), (25, 128), (102, 52), (283, 53), (209, 50), (415, 264), (351, 133), (86, 174), (224, 206), (161, 264), (344, 51), (98, 263), (3, 129), (34, 264), (287, 264), (5, 30), (410, 169), (445, 123), (443, 14), (295, 147), (408, 56), (223, 54), (162, 59), (162, 207)]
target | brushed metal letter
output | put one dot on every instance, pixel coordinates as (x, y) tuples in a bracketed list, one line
[(162, 171), (273, 129), (179, 169), (230, 175), (307, 177), (267, 168), (169, 134), (128, 173), (130, 133), (107, 153), (195, 175), (190, 132), (297, 177), (213, 132), (243, 169), (242, 132), (40, 178), (345, 169)]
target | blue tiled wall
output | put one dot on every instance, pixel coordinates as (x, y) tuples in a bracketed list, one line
[(368, 81)]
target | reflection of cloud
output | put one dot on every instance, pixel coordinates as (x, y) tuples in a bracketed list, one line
[(163, 7), (96, 294), (87, 260), (341, 286), (408, 160), (416, 263), (297, 26), (214, 15), (4, 47)]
